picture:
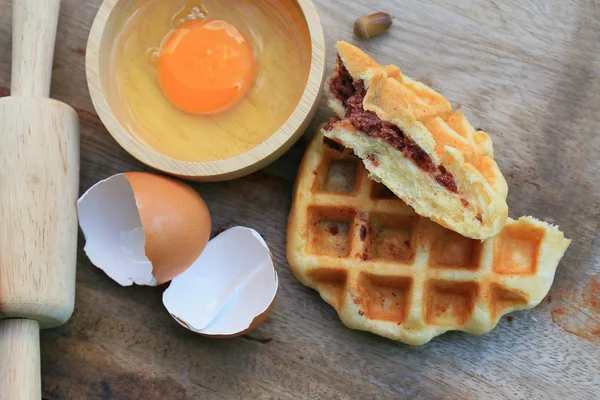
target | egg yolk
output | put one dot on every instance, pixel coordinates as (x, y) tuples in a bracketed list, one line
[(205, 66)]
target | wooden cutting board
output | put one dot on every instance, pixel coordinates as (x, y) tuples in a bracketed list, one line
[(527, 72)]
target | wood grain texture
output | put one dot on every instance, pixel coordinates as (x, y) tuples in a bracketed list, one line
[(39, 180), (527, 72), (20, 355), (39, 146), (34, 32)]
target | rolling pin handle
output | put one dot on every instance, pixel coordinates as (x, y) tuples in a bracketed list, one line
[(34, 31), (20, 374)]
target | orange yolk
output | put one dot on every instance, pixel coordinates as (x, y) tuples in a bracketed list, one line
[(205, 66)]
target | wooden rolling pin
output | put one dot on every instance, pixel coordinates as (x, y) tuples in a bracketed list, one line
[(39, 185)]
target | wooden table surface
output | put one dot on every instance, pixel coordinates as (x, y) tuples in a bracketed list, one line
[(526, 71)]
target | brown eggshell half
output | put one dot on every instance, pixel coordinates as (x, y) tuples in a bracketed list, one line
[(176, 223), (259, 319), (255, 322), (253, 325)]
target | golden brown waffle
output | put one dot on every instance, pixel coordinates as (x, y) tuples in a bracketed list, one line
[(391, 272), (478, 208)]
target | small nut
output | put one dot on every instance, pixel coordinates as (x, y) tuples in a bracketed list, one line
[(372, 25)]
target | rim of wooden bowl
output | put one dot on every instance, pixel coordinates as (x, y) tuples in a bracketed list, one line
[(235, 167)]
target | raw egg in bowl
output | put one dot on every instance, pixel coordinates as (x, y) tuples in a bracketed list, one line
[(206, 90)]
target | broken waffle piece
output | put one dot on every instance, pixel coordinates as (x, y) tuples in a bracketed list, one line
[(411, 140), (389, 271)]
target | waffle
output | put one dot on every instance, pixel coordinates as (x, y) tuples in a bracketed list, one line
[(389, 271), (410, 139)]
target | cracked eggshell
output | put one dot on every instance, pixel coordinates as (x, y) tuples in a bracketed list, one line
[(229, 290), (143, 228)]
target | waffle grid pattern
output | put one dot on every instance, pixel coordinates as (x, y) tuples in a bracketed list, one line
[(387, 270)]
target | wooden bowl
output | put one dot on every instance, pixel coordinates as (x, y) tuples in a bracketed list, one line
[(104, 29)]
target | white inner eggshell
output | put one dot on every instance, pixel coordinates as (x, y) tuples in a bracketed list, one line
[(115, 239), (232, 282)]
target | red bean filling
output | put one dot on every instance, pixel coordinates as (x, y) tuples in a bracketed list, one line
[(351, 92)]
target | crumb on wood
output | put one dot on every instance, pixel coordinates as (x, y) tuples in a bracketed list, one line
[(256, 339)]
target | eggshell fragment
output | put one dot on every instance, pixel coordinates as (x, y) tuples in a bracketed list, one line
[(176, 222), (230, 288), (143, 228), (113, 231)]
